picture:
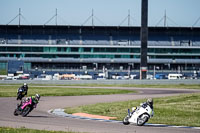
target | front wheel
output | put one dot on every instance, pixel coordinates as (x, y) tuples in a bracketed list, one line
[(125, 121), (15, 112), (20, 96), (25, 111), (142, 120)]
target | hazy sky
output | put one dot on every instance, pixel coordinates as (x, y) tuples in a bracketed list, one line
[(109, 12)]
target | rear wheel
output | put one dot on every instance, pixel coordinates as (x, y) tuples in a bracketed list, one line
[(142, 120), (25, 111), (125, 121)]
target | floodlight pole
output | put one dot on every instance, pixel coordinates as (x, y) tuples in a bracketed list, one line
[(92, 17), (56, 17), (165, 19), (19, 16), (144, 38), (129, 17)]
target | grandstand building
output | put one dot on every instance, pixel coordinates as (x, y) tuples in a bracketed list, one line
[(92, 48)]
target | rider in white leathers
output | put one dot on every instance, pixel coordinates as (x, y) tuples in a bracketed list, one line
[(148, 102)]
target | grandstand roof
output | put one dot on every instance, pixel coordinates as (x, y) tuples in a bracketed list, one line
[(95, 27), (101, 30)]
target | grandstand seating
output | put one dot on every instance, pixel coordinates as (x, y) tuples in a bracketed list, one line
[(73, 38)]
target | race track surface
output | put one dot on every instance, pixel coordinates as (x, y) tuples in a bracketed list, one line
[(41, 119)]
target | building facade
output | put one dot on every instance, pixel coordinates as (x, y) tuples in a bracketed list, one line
[(75, 48)]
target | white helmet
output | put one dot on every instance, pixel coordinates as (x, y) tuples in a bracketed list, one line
[(150, 101), (37, 97)]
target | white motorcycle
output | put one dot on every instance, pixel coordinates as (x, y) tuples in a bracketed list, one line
[(139, 116)]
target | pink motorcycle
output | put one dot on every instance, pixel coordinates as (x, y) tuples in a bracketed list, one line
[(25, 107)]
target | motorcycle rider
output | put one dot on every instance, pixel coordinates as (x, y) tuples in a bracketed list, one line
[(24, 87), (35, 100), (22, 91), (140, 114), (149, 102)]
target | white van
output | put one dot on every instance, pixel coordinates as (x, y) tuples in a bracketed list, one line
[(175, 76)]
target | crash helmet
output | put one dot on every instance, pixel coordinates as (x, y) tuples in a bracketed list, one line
[(150, 101), (25, 85), (37, 97)]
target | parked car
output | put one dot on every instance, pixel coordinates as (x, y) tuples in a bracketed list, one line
[(175, 76), (160, 76)]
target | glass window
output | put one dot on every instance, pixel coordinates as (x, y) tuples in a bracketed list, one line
[(3, 65), (80, 50), (3, 49), (87, 49), (122, 50), (27, 66), (53, 49), (125, 56), (110, 50), (13, 49), (25, 49), (37, 49), (117, 56), (135, 50), (46, 49), (74, 49)]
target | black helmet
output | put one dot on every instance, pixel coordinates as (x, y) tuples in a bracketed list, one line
[(37, 97), (150, 101)]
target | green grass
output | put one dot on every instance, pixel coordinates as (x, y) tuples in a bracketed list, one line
[(181, 110), (178, 86), (25, 130), (11, 91), (3, 72)]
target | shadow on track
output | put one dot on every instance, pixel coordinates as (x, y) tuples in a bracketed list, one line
[(38, 116)]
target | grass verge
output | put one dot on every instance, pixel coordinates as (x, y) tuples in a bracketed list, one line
[(178, 86), (11, 91), (25, 130), (183, 110)]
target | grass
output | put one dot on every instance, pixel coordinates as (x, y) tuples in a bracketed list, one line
[(11, 91), (25, 130), (178, 86), (3, 72), (181, 110)]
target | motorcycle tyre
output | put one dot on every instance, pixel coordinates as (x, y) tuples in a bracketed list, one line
[(27, 110), (19, 97), (125, 121), (15, 112), (146, 118)]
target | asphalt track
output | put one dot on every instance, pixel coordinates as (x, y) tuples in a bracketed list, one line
[(41, 119)]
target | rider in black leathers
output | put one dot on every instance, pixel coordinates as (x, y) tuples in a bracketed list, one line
[(25, 88), (22, 91)]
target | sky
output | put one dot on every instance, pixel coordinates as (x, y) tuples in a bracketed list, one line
[(183, 13)]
